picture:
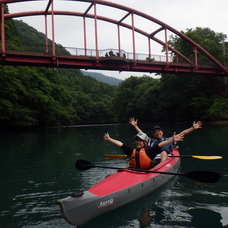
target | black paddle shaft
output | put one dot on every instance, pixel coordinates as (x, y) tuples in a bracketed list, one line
[(201, 176)]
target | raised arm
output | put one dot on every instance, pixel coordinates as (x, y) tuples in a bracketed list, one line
[(196, 125), (134, 123), (175, 138), (114, 141)]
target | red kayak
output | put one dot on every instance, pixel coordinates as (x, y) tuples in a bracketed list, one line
[(116, 190)]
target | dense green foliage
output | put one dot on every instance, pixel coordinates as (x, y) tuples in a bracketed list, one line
[(38, 96), (32, 96), (177, 97), (193, 96), (205, 37), (138, 96)]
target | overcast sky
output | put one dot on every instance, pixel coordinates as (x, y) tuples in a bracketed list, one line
[(180, 14)]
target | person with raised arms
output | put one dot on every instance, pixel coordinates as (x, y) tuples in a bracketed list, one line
[(158, 134), (142, 156)]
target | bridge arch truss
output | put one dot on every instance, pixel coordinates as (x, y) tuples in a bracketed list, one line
[(125, 54)]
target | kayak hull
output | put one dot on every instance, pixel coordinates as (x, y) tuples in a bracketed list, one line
[(115, 191)]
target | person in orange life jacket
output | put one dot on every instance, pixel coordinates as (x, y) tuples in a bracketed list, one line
[(142, 156), (158, 134)]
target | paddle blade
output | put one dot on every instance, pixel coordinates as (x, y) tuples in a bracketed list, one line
[(204, 176), (83, 165), (207, 157), (115, 156)]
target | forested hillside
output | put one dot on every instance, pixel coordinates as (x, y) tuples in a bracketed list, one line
[(103, 78), (38, 96)]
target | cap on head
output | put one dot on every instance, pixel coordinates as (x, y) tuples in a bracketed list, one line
[(142, 136), (156, 128)]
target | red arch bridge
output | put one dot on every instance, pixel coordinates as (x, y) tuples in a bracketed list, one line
[(110, 37)]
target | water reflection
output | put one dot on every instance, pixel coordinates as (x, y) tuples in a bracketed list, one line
[(157, 216), (145, 217), (204, 218), (153, 215)]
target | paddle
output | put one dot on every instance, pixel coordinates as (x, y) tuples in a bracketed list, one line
[(201, 176), (118, 156)]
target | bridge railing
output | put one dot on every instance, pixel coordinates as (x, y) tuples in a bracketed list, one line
[(130, 56), (117, 53), (109, 53)]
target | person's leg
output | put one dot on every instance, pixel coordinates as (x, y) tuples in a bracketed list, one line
[(164, 156)]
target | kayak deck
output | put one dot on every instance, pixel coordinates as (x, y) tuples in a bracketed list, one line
[(116, 190), (126, 179)]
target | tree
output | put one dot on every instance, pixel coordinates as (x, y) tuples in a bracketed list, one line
[(137, 96), (181, 92)]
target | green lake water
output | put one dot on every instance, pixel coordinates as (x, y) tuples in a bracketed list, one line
[(37, 169)]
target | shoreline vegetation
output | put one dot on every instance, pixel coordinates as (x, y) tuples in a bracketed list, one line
[(222, 122)]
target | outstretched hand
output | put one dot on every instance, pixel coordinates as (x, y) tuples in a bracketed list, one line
[(178, 137), (114, 141), (133, 121), (106, 136), (197, 125)]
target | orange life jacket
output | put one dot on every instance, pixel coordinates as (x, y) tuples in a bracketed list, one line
[(139, 159)]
